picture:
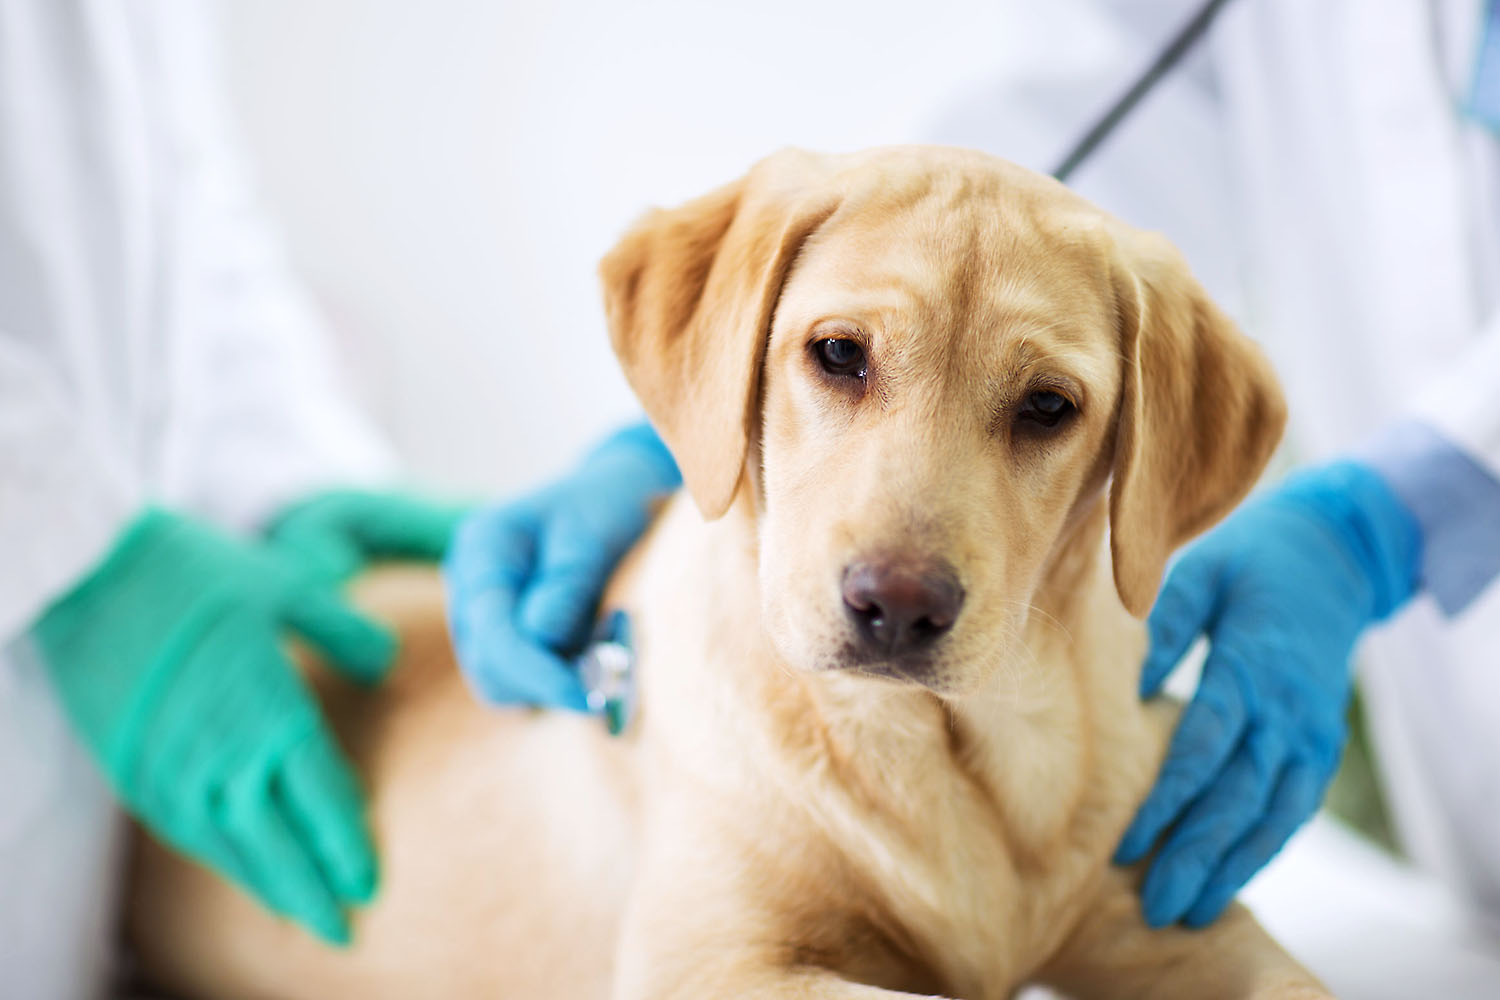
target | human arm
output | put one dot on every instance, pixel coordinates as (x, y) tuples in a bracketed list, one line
[(153, 342), (125, 295), (74, 308)]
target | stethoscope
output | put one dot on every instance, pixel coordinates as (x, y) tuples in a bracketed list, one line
[(1180, 45)]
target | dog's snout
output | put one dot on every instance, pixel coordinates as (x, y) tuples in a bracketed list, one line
[(901, 606)]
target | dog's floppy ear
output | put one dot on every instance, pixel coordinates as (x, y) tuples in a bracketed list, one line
[(1200, 414), (689, 293)]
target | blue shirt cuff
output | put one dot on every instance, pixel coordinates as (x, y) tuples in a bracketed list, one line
[(1456, 503)]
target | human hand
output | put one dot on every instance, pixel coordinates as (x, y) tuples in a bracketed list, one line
[(1283, 589), (169, 663), (334, 534), (524, 578)]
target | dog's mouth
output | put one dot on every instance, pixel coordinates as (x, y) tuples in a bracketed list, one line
[(923, 669)]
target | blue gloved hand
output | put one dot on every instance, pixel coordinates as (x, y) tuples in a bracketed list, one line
[(524, 579), (1283, 589)]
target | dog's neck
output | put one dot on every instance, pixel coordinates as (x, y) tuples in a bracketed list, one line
[(1036, 749)]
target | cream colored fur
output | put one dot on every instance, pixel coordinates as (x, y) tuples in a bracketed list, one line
[(778, 823)]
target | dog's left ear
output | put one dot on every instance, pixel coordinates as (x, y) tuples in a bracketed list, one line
[(1200, 414), (689, 293)]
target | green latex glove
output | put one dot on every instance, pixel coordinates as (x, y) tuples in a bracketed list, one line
[(168, 659), (334, 534)]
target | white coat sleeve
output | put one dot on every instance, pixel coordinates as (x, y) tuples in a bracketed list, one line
[(153, 344), (1444, 464), (266, 411), (72, 315), (64, 494), (1463, 403)]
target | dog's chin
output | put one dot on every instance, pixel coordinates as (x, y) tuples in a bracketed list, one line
[(828, 651)]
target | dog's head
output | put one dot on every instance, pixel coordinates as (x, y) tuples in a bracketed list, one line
[(921, 367)]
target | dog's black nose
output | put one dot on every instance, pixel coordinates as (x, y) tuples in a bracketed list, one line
[(900, 606)]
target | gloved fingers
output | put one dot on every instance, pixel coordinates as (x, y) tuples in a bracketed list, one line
[(505, 667), (280, 866), (330, 557), (197, 830), (1211, 827), (392, 526), (321, 797), (220, 855), (573, 566), (486, 569), (1298, 791), (358, 647), (1180, 615), (1207, 733)]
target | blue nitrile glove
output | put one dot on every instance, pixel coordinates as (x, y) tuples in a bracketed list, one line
[(1283, 589), (524, 578), (168, 660), (335, 533)]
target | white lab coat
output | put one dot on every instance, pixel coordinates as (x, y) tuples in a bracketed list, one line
[(1371, 209), (1311, 160), (153, 347)]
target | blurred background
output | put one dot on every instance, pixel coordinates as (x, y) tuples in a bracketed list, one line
[(448, 175)]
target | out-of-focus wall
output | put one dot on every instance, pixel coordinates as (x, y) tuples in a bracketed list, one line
[(448, 174)]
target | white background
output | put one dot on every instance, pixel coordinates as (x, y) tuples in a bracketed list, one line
[(449, 173)]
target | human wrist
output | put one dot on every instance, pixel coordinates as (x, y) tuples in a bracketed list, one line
[(142, 536), (1371, 524)]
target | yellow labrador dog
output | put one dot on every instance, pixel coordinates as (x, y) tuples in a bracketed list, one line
[(941, 422)]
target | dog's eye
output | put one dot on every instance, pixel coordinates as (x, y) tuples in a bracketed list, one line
[(1045, 408), (841, 357)]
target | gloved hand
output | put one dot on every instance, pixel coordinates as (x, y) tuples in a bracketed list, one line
[(524, 579), (1283, 589), (168, 660), (334, 534)]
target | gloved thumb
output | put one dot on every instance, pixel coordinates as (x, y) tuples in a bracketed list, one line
[(359, 648), (1180, 615)]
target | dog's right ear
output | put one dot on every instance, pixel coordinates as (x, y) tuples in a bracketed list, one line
[(689, 293)]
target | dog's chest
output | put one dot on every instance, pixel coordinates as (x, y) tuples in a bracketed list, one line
[(964, 890)]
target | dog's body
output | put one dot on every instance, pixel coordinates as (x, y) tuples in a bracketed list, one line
[(778, 822)]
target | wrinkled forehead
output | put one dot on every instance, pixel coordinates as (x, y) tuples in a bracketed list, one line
[(965, 264)]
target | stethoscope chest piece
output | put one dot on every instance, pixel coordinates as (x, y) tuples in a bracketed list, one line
[(607, 671)]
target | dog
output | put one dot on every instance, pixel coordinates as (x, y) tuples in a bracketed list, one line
[(940, 423)]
